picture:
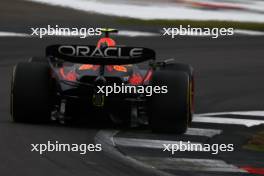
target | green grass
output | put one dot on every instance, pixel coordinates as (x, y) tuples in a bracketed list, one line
[(256, 143), (193, 23)]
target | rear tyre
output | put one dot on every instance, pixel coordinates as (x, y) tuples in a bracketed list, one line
[(169, 112), (189, 70), (30, 93)]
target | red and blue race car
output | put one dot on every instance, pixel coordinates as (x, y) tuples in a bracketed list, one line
[(78, 81)]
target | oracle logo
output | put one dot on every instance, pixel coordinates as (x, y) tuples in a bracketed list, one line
[(109, 52)]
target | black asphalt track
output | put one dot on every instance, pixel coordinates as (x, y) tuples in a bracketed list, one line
[(229, 77)]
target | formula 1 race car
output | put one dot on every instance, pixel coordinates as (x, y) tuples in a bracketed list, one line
[(72, 81)]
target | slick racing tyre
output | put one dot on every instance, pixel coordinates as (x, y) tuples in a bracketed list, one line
[(169, 112), (30, 93), (189, 70)]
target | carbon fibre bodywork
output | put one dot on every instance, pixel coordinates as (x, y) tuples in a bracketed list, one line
[(75, 89)]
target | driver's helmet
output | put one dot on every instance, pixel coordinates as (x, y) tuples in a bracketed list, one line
[(106, 42)]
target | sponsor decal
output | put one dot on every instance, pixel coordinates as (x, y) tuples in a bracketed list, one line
[(109, 52)]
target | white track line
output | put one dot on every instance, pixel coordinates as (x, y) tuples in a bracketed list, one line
[(12, 34), (248, 32), (158, 144), (150, 34), (137, 33), (233, 121), (129, 33), (196, 132), (191, 164), (146, 143), (120, 33), (203, 132), (244, 113)]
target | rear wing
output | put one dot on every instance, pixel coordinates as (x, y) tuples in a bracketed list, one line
[(88, 54)]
